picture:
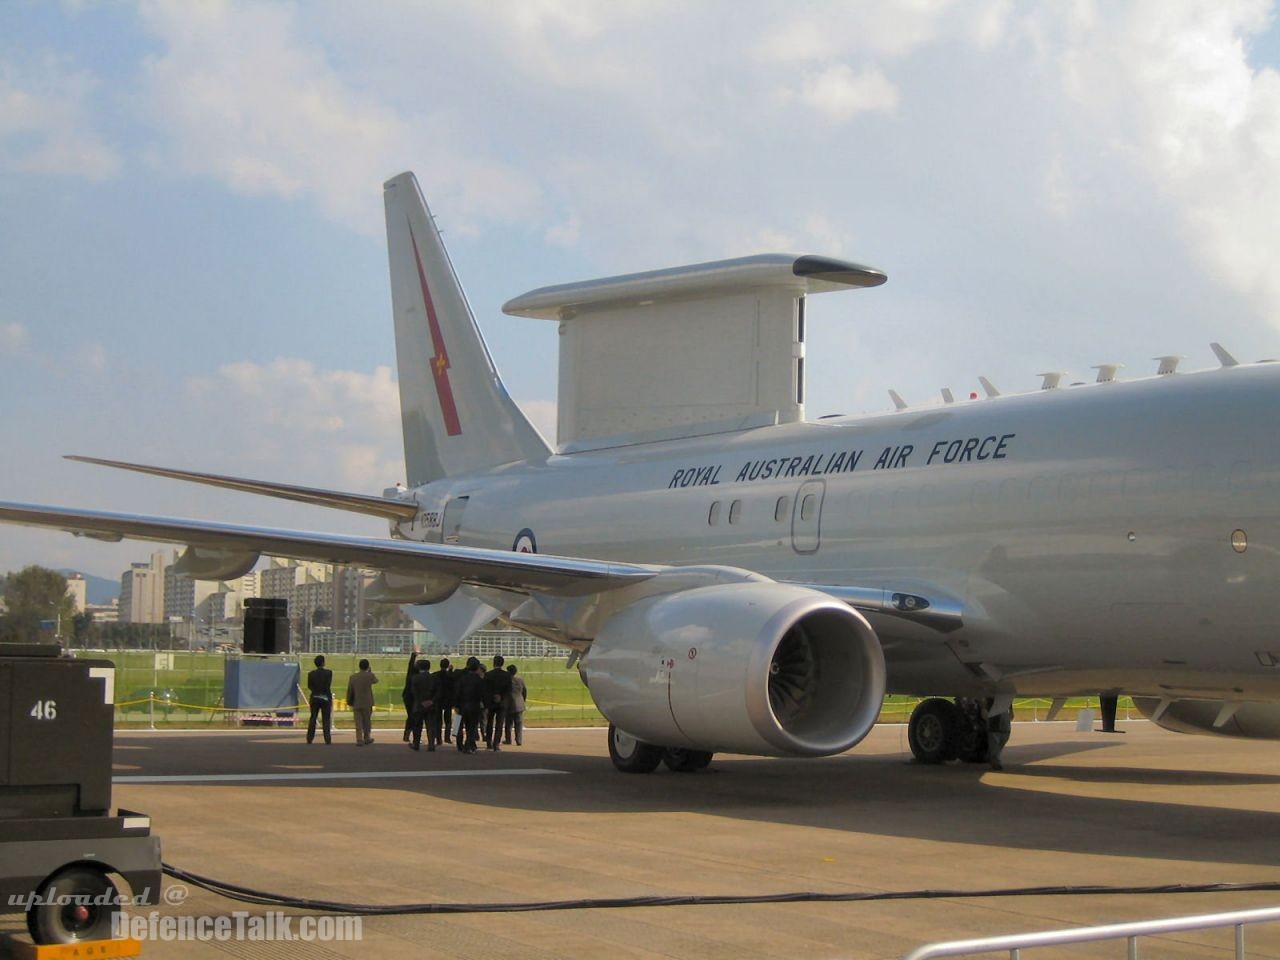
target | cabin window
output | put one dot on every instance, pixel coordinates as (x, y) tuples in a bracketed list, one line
[(807, 506), (713, 516), (780, 509), (735, 511)]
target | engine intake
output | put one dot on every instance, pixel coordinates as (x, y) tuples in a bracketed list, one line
[(759, 668)]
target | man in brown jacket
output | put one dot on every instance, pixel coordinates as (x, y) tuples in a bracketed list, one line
[(360, 699)]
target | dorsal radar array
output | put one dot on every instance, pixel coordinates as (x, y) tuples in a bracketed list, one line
[(1166, 365)]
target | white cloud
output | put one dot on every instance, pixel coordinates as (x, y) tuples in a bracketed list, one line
[(309, 422), (93, 358), (542, 414), (839, 93), (1183, 105), (46, 121), (13, 337), (241, 96), (566, 232)]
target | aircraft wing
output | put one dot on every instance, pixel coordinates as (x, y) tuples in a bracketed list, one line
[(444, 565)]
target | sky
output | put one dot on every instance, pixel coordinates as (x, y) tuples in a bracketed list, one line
[(193, 264)]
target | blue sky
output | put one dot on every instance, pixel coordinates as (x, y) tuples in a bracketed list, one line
[(192, 270)]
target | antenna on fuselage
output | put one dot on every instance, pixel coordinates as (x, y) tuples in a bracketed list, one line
[(989, 387), (1052, 379), (898, 402), (1107, 372), (1168, 364), (1224, 358), (947, 395)]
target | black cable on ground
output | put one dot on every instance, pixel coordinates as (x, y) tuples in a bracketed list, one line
[(248, 895)]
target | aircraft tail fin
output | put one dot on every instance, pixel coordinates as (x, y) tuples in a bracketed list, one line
[(456, 414)]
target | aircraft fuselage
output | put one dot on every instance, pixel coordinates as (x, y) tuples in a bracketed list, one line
[(1090, 536)]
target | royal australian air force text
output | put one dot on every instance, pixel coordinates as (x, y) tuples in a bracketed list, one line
[(820, 463)]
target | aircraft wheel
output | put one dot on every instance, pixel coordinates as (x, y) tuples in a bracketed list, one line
[(933, 731), (682, 760), (631, 755), (75, 905)]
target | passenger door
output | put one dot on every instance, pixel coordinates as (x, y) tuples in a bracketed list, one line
[(806, 517)]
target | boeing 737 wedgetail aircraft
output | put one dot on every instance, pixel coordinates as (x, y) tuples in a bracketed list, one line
[(732, 577)]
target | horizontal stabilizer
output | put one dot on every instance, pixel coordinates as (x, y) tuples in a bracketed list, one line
[(352, 502)]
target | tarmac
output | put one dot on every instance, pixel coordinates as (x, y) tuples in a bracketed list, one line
[(552, 820)]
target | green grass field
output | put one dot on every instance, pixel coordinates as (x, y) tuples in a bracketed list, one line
[(187, 688), (187, 691)]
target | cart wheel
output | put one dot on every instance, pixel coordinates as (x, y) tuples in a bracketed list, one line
[(75, 905)]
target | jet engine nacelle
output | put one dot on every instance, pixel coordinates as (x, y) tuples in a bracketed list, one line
[(758, 668), (1253, 721)]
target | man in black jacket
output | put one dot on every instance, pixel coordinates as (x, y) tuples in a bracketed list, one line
[(444, 699), (469, 698), (424, 693), (407, 695), (497, 685), (320, 690)]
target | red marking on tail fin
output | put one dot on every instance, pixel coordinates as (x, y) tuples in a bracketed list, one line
[(440, 362)]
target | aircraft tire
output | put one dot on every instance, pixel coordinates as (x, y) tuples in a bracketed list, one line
[(683, 760), (630, 755), (934, 731), (70, 922)]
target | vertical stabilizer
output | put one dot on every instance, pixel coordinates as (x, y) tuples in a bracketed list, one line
[(456, 414)]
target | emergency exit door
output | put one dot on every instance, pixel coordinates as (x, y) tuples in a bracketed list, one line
[(806, 517), (451, 526)]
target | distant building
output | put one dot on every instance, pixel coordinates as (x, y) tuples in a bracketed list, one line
[(349, 585), (77, 590), (308, 586), (104, 612), (142, 591), (182, 594)]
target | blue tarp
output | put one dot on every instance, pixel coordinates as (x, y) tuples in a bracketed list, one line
[(260, 684)]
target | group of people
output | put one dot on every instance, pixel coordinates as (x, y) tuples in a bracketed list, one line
[(463, 705), (454, 705)]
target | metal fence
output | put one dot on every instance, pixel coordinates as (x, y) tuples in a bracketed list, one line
[(482, 643), (1129, 932)]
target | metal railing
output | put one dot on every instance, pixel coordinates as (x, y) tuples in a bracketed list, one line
[(1015, 943)]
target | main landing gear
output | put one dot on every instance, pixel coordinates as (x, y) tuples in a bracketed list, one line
[(973, 731), (635, 756)]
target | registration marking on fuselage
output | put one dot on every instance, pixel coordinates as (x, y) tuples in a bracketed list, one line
[(331, 775)]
